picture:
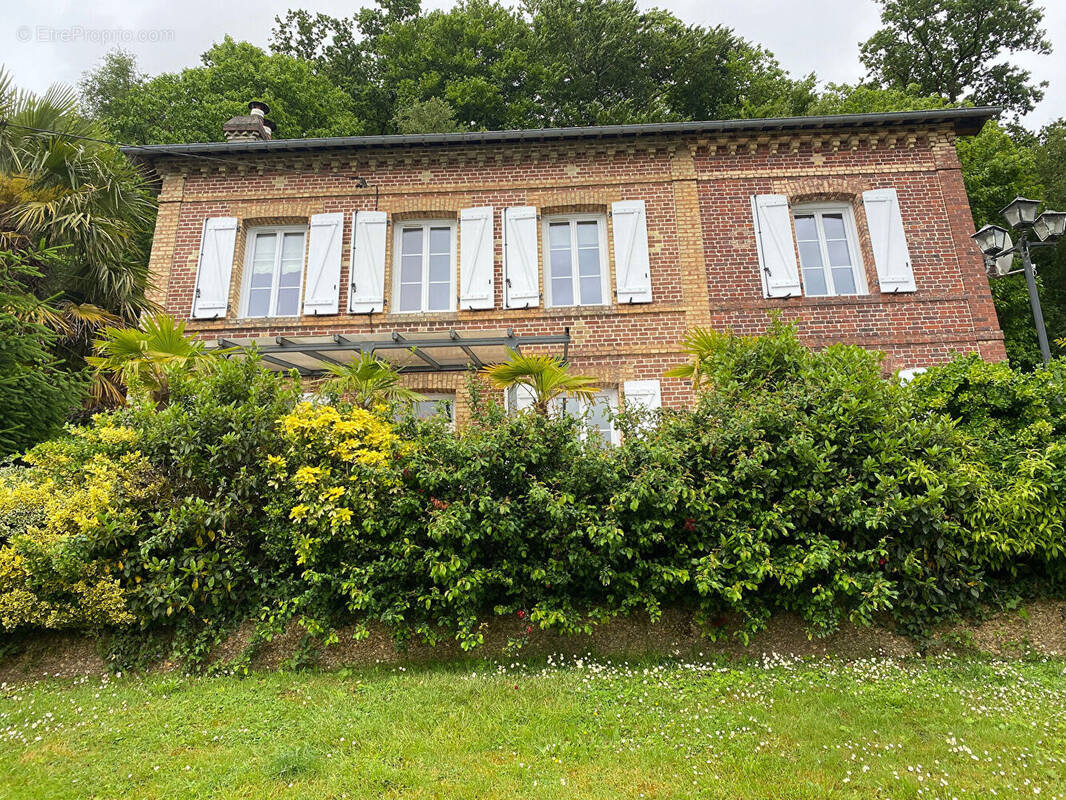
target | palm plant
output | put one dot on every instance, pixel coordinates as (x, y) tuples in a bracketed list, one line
[(700, 344), (57, 190), (545, 377), (140, 357), (368, 381)]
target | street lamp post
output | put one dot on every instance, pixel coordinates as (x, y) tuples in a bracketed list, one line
[(995, 242)]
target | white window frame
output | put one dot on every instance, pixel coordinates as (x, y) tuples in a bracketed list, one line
[(445, 397), (397, 254), (605, 267), (249, 256), (852, 234)]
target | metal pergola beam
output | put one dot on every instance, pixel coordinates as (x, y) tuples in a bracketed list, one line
[(339, 343)]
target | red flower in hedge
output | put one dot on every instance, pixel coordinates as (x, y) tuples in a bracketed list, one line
[(690, 525), (521, 614)]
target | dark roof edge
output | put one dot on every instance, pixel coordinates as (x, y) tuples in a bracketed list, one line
[(967, 121)]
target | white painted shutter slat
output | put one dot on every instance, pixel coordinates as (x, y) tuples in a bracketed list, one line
[(521, 276), (475, 258), (889, 241), (366, 292), (774, 241), (322, 292), (632, 261), (215, 268), (646, 395)]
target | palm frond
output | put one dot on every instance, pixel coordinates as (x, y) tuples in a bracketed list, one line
[(546, 377), (368, 381)]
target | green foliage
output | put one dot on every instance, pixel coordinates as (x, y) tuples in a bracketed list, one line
[(544, 377), (955, 48), (191, 106), (36, 392), (368, 381), (1015, 422), (800, 481), (426, 116), (142, 358)]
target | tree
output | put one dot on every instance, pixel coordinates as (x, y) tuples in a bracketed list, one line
[(368, 381), (426, 116), (952, 48), (191, 106), (545, 377), (37, 393), (81, 199), (140, 358)]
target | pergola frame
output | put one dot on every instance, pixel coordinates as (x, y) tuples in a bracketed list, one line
[(325, 349)]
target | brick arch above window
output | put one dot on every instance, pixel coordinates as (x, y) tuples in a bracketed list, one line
[(424, 213), (573, 208)]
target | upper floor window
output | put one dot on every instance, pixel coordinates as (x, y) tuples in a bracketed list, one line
[(828, 250), (425, 266), (273, 272), (575, 255)]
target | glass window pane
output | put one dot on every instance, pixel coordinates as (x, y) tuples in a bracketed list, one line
[(844, 280), (411, 241), (559, 235), (591, 291), (588, 234), (291, 272), (440, 240), (258, 302), (562, 292), (839, 256), (805, 228), (833, 225), (410, 269), (814, 282), (440, 268), (292, 248), (439, 297), (262, 275), (288, 302), (411, 297), (560, 263), (588, 261), (810, 254), (265, 247)]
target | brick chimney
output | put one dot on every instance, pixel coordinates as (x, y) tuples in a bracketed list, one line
[(254, 126)]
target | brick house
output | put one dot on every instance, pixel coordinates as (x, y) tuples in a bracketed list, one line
[(605, 244)]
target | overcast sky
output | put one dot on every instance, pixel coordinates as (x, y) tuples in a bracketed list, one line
[(40, 45)]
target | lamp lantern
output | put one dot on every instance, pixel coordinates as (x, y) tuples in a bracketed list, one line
[(992, 239), (1021, 212), (1050, 225)]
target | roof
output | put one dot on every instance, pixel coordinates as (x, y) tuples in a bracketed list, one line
[(966, 121)]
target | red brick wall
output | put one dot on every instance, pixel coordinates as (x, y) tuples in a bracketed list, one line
[(704, 262)]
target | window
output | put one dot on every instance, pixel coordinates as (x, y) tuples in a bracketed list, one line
[(433, 404), (596, 415), (273, 272), (828, 249), (575, 254), (425, 266)]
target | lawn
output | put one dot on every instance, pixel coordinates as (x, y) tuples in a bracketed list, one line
[(780, 728)]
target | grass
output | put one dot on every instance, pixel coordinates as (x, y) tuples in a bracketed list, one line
[(577, 729)]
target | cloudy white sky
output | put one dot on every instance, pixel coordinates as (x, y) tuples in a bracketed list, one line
[(44, 42)]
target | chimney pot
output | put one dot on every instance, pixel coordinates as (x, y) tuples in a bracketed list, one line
[(252, 127)]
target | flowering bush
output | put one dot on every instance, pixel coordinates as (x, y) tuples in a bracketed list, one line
[(75, 497)]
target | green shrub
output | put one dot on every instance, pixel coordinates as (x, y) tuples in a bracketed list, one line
[(36, 393)]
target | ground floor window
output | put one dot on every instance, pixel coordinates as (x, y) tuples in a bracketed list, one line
[(596, 415), (435, 404)]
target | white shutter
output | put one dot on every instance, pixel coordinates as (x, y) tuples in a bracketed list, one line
[(888, 240), (215, 268), (322, 290), (521, 276), (777, 253), (632, 270), (644, 395), (366, 292), (475, 258)]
